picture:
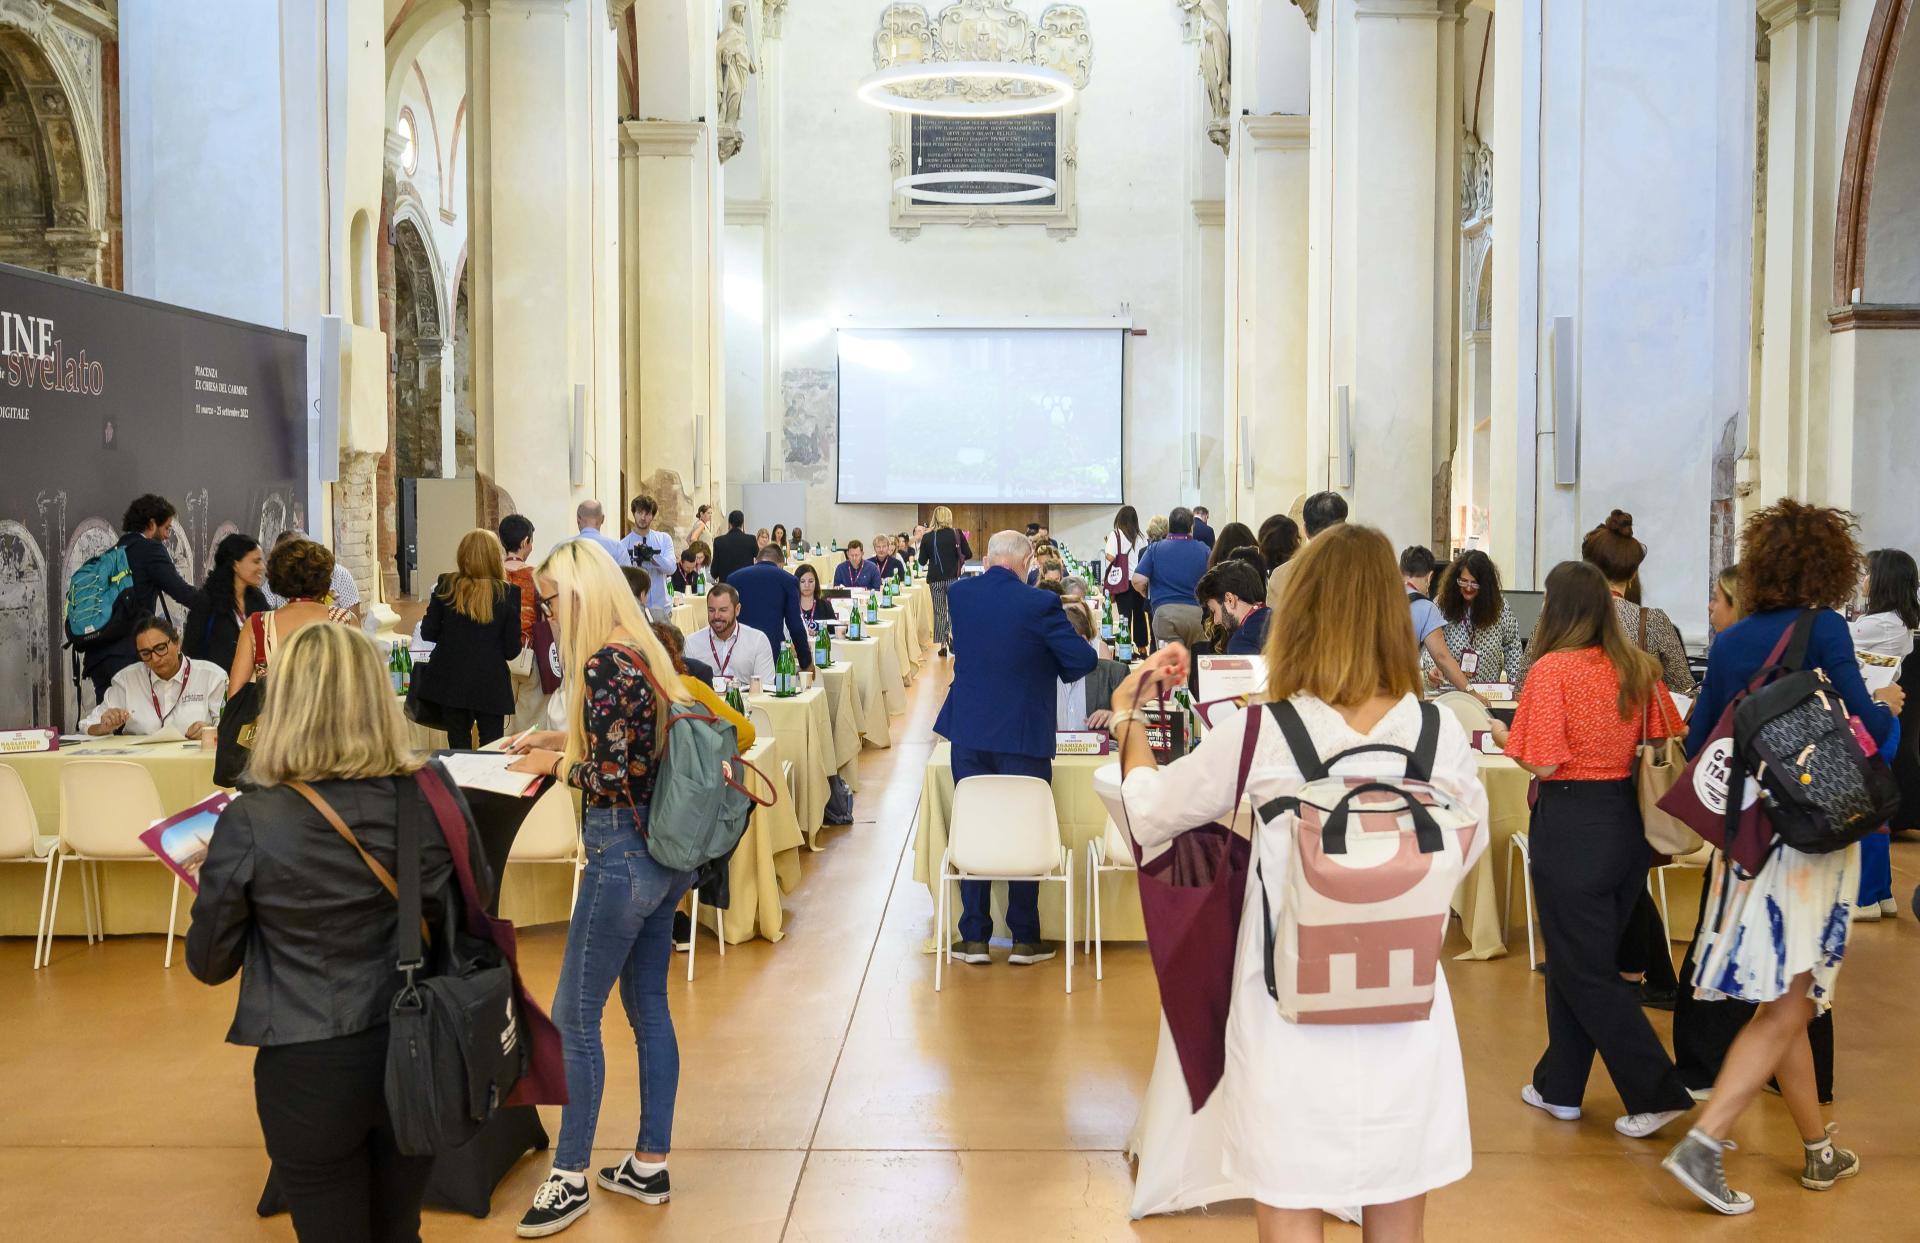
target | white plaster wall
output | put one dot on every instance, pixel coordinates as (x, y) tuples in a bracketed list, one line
[(1893, 220), (840, 264), (744, 293), (1886, 441)]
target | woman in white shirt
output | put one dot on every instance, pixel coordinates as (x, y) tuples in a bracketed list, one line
[(1125, 540), (1321, 1116), (1883, 639), (166, 690)]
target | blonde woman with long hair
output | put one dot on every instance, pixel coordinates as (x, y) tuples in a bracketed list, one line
[(287, 903), (473, 621), (943, 552), (622, 926), (1320, 1116)]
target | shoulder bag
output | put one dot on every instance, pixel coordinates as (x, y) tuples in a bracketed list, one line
[(233, 737), (1119, 573), (1657, 765)]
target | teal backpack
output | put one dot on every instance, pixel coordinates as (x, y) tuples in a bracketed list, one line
[(700, 806), (96, 600)]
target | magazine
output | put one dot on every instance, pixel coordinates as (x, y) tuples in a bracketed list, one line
[(181, 840)]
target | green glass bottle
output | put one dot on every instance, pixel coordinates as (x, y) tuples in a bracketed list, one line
[(1123, 641), (393, 667), (823, 648), (873, 610)]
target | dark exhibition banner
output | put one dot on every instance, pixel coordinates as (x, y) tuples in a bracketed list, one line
[(103, 397)]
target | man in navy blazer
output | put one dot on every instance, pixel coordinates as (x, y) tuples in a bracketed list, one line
[(770, 602), (1012, 644)]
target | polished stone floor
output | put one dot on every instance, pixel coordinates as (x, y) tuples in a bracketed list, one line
[(827, 1094)]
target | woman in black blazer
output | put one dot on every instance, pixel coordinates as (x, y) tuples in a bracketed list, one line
[(473, 621), (229, 596)]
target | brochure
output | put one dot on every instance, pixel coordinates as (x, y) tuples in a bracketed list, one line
[(181, 840)]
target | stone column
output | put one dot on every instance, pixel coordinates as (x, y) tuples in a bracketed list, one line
[(1389, 292), (522, 190), (671, 223), (1788, 445)]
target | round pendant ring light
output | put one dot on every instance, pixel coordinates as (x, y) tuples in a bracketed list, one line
[(882, 89), (1036, 187)]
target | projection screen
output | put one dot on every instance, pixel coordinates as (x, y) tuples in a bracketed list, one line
[(1030, 415)]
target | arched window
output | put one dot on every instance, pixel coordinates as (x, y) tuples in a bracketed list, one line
[(409, 142)]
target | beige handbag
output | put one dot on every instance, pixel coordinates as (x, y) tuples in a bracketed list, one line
[(1657, 764)]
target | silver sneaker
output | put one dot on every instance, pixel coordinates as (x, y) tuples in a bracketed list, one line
[(1696, 1162), (1827, 1163)]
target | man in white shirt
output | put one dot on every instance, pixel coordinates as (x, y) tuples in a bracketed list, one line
[(652, 551), (588, 515), (730, 649), (164, 691)]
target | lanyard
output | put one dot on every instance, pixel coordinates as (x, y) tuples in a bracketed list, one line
[(720, 666), (806, 615), (153, 692)]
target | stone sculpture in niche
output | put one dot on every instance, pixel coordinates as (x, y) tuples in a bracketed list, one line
[(985, 30), (1209, 26), (733, 52)]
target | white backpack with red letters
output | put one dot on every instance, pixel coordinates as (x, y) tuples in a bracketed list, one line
[(1370, 885)]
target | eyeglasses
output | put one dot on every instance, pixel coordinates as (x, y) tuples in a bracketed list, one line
[(156, 651)]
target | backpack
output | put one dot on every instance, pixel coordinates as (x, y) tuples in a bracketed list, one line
[(1374, 867), (1119, 573), (699, 810), (98, 600), (1819, 788)]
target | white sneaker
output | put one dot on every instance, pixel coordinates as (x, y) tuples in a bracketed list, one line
[(1639, 1126), (1868, 914), (1889, 907), (1566, 1113), (1700, 1094)]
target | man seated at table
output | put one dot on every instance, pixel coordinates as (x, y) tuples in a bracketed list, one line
[(1236, 600), (770, 602), (164, 691), (728, 648), (886, 563), (856, 570), (1166, 575), (682, 578), (1012, 645)]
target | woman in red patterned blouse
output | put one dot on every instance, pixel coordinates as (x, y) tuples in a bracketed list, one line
[(1578, 722)]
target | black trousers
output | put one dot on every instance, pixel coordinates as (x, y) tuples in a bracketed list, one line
[(1703, 1031), (1645, 950), (1589, 868), (323, 1111), (462, 725), (1133, 606)]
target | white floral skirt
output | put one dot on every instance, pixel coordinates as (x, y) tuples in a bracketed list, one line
[(1789, 920)]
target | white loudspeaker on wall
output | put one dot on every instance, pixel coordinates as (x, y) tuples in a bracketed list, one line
[(699, 449), (577, 459), (1343, 432), (766, 460), (327, 400), (1566, 402)]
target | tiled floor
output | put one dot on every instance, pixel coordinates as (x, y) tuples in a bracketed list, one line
[(827, 1094)]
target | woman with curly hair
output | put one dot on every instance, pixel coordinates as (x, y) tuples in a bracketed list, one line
[(300, 575), (1776, 940)]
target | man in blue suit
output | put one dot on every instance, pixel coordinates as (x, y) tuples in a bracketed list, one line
[(1012, 644), (770, 602)]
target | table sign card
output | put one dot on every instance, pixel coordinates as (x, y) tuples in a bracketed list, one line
[(181, 840), (1492, 690), (23, 741), (1483, 742), (1080, 742), (1229, 677)]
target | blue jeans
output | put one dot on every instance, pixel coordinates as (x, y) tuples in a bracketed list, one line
[(1023, 896), (622, 931)]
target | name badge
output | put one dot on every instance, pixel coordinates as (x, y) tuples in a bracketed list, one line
[(1469, 662)]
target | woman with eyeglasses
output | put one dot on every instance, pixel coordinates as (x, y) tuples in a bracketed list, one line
[(166, 690), (1480, 630)]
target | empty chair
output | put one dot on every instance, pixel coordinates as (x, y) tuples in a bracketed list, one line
[(1003, 828), (21, 842), (105, 805), (1517, 847), (1111, 852), (551, 834), (1470, 712)]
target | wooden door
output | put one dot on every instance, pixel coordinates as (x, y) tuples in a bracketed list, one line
[(981, 521)]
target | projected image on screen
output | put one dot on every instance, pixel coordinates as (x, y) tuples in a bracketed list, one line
[(980, 414)]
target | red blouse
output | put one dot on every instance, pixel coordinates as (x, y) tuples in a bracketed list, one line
[(1569, 716)]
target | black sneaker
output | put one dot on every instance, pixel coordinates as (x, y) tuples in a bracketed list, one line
[(555, 1206), (1026, 953), (626, 1179), (682, 932), (974, 952)]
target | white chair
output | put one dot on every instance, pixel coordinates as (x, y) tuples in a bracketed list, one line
[(1470, 712), (1003, 828), (105, 805), (1657, 885), (693, 932), (551, 834), (21, 842), (1517, 847), (1111, 852)]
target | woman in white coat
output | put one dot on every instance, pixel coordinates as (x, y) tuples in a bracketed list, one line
[(1320, 1116)]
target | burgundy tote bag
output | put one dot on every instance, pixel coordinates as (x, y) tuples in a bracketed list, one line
[(1190, 899)]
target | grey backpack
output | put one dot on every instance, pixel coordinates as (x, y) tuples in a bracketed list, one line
[(700, 805)]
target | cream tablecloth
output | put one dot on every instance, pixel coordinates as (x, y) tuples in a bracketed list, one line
[(878, 691), (1083, 818), (803, 733), (844, 711), (689, 613)]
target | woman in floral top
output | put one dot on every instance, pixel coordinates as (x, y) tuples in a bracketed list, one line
[(617, 675), (1480, 631), (1612, 548)]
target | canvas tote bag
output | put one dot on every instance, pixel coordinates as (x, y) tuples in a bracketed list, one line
[(1657, 765)]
